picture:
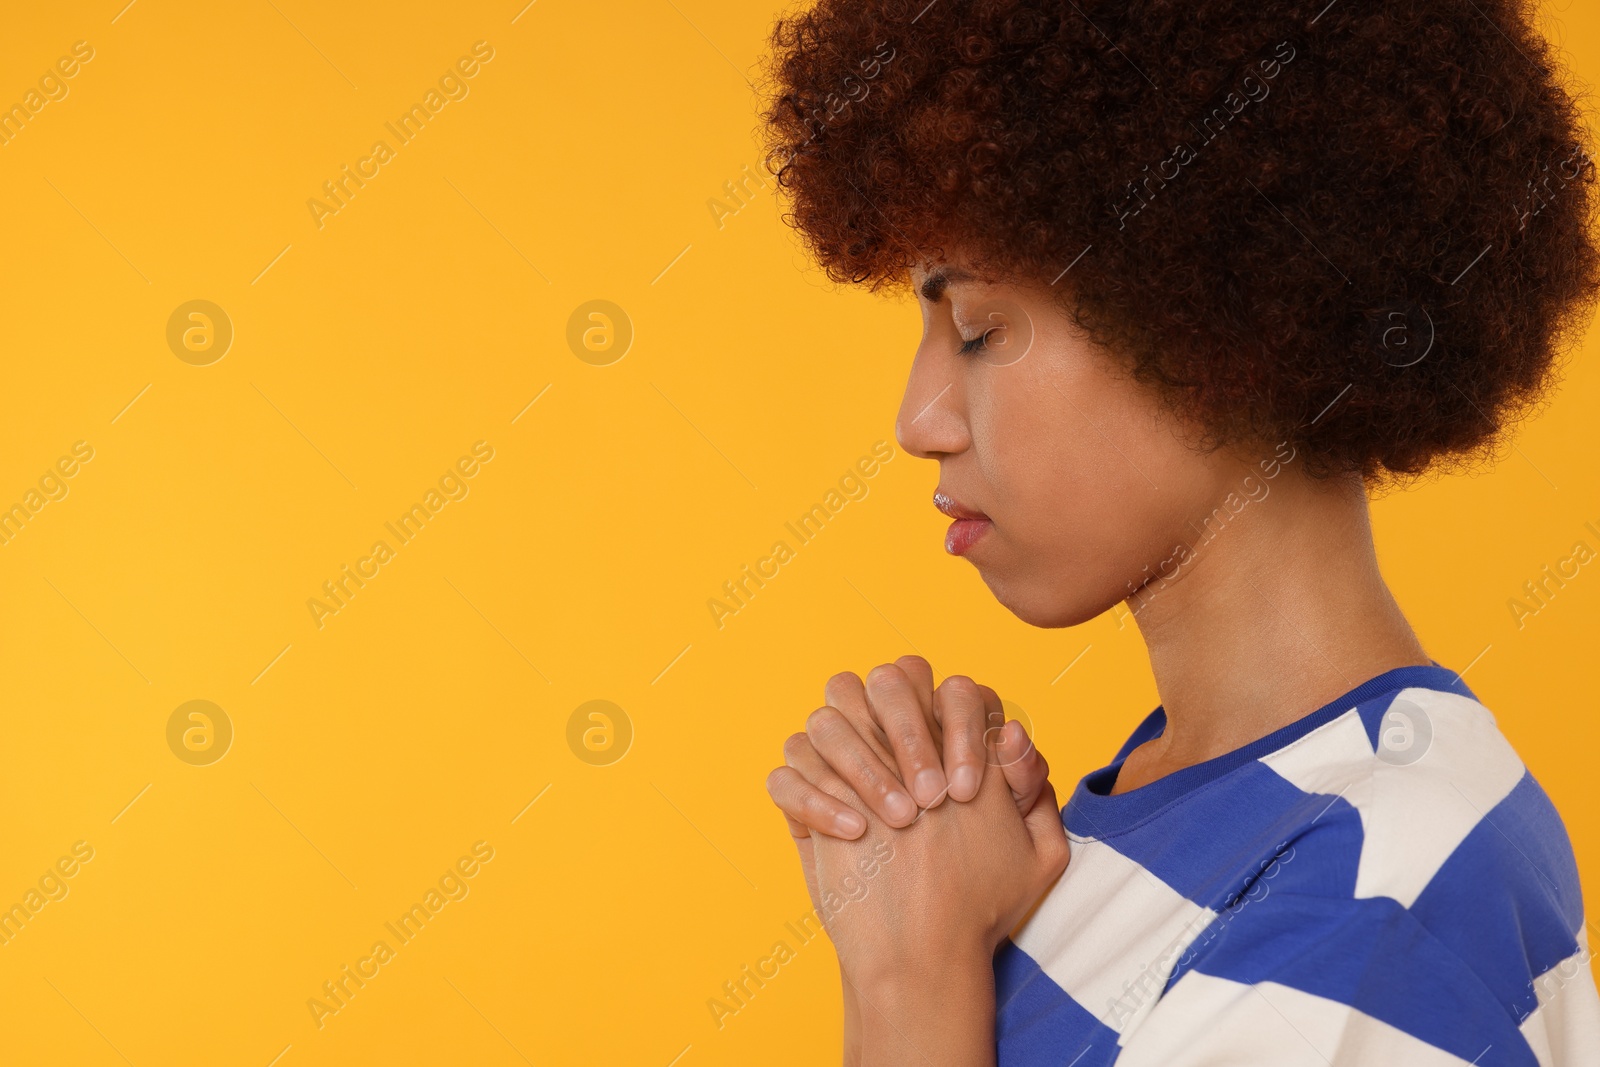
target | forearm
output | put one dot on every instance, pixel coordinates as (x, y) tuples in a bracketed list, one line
[(941, 1014)]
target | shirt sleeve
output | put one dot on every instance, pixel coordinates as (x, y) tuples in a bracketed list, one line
[(1290, 980)]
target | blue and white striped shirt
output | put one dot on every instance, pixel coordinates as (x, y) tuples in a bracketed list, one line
[(1380, 882)]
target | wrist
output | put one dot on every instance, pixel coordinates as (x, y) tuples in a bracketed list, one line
[(901, 974), (938, 1013), (852, 1021)]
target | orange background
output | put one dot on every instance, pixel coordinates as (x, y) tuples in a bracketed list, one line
[(431, 712)]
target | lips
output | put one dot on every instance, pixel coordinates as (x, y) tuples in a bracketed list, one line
[(954, 508), (969, 525)]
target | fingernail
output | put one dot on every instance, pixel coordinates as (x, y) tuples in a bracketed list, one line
[(964, 782), (928, 786), (849, 823), (899, 806)]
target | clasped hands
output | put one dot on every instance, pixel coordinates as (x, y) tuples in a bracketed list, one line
[(926, 829)]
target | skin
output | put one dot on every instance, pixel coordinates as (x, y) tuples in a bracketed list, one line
[(1097, 495)]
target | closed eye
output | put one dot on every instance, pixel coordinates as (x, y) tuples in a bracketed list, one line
[(978, 343)]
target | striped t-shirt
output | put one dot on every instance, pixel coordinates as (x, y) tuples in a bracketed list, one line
[(1381, 882)]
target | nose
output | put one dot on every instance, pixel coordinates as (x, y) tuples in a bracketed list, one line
[(932, 420)]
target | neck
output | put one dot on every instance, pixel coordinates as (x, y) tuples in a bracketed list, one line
[(1273, 615)]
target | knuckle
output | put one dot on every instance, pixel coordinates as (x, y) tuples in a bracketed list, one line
[(912, 661), (824, 722), (885, 674), (962, 711), (814, 803), (843, 682), (862, 772), (967, 745), (909, 737), (959, 685), (795, 745), (964, 741)]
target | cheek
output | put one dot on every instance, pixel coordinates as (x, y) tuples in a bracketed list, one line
[(1072, 454), (1084, 474)]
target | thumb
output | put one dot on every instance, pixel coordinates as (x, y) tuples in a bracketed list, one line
[(1049, 836), (1023, 765)]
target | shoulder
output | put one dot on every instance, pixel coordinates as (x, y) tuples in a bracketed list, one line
[(1424, 774), (1435, 795), (1436, 837)]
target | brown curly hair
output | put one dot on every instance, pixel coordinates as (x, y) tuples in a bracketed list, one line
[(1367, 231)]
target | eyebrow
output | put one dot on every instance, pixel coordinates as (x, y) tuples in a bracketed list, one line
[(933, 285)]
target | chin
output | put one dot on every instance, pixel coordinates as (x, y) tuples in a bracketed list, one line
[(1037, 603)]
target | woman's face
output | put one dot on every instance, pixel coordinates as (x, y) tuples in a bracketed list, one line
[(1084, 487)]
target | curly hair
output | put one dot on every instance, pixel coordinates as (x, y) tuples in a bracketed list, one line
[(1364, 230)]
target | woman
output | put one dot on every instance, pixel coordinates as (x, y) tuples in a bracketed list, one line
[(1195, 277)]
